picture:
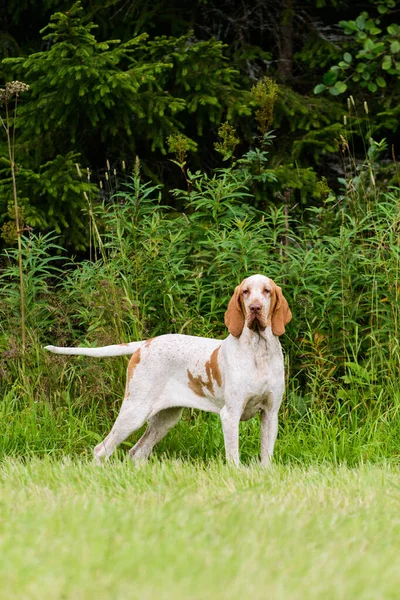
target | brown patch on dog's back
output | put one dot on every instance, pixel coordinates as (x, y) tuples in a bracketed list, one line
[(196, 384), (213, 373), (214, 367), (148, 342), (133, 363)]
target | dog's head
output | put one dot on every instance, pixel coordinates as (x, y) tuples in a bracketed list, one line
[(257, 303)]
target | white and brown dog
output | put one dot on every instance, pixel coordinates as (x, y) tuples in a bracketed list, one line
[(236, 377)]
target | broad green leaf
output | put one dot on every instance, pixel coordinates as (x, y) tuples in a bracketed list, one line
[(369, 44), (338, 88), (358, 370), (387, 62), (341, 86), (393, 29), (330, 77), (360, 22), (347, 57), (395, 47), (381, 82), (348, 26), (319, 88)]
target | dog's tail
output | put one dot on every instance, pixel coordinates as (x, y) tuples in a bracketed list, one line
[(115, 350)]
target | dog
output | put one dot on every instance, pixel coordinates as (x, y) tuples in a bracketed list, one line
[(236, 378)]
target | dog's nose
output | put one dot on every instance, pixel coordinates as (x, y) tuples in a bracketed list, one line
[(255, 308)]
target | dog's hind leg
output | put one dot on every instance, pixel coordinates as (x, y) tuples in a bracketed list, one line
[(131, 417), (157, 429)]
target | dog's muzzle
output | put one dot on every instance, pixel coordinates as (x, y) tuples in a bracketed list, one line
[(255, 320)]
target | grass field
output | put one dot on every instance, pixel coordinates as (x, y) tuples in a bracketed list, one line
[(174, 529)]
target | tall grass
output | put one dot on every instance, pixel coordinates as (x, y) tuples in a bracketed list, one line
[(9, 95), (158, 270)]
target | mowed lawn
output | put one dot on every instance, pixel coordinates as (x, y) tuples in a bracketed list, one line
[(173, 529)]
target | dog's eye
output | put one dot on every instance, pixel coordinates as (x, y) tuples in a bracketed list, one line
[(266, 291), (245, 292)]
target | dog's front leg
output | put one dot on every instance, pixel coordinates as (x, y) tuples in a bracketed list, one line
[(268, 431), (230, 427)]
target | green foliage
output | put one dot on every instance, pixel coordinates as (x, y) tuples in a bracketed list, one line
[(368, 67), (156, 270), (202, 78), (65, 208), (371, 59), (40, 260), (313, 123), (178, 145), (253, 165), (147, 82), (265, 93), (299, 183), (318, 50), (107, 75), (104, 89), (227, 146), (87, 95)]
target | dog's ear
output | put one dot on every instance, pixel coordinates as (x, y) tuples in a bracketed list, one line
[(234, 316), (281, 313)]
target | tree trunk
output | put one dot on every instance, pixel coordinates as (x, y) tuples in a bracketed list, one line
[(285, 61)]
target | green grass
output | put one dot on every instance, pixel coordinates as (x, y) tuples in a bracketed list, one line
[(174, 529), (59, 426)]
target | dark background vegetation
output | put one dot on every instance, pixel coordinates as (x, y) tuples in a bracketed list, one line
[(186, 68)]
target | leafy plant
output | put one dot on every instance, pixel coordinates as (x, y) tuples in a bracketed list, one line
[(375, 50), (115, 95), (12, 90)]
